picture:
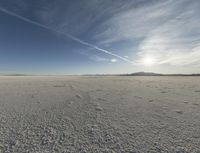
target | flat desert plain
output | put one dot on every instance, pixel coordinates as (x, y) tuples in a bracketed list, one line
[(108, 114)]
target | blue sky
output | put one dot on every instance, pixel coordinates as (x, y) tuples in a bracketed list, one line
[(99, 36)]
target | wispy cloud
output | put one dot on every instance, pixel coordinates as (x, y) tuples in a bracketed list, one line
[(98, 58), (166, 30), (134, 23), (176, 41), (114, 60), (67, 35), (93, 56)]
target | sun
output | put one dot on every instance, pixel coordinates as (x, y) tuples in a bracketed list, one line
[(148, 61)]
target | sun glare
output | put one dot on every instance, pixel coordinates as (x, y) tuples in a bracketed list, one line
[(148, 61)]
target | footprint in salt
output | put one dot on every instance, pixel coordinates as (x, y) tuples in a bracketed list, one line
[(60, 85), (98, 108), (72, 87), (179, 111), (78, 96)]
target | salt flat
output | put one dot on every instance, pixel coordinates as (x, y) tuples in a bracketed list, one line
[(99, 114)]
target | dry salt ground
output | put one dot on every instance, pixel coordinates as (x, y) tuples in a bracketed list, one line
[(99, 114)]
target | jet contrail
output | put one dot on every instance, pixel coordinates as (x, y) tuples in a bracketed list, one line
[(65, 34)]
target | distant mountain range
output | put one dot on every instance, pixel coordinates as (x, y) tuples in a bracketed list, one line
[(128, 74), (156, 74)]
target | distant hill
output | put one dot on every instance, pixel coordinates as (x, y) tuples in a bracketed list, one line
[(156, 74), (14, 74), (142, 74)]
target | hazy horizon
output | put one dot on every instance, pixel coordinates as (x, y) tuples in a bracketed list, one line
[(59, 37)]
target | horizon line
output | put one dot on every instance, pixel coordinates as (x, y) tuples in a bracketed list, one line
[(141, 73)]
